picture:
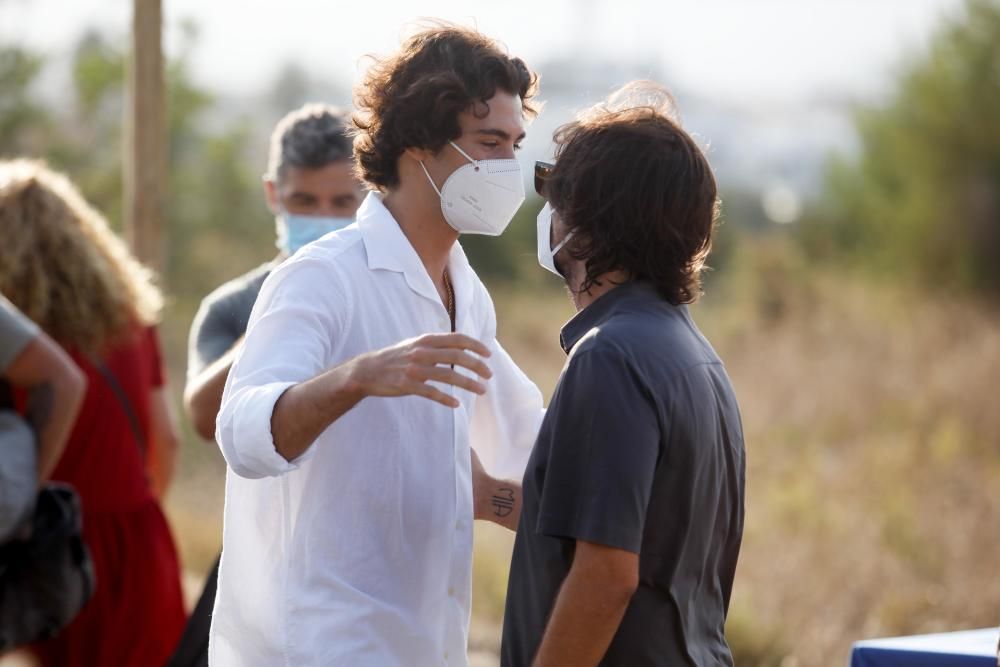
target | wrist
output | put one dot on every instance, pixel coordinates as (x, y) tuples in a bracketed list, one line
[(482, 485), (353, 383)]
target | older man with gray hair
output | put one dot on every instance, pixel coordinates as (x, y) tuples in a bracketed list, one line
[(311, 188)]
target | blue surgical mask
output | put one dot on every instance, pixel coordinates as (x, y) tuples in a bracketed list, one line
[(295, 231)]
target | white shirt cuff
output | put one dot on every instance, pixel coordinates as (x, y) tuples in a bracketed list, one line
[(244, 432)]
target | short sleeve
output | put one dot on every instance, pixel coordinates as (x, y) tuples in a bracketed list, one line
[(603, 438), (211, 335), (16, 331)]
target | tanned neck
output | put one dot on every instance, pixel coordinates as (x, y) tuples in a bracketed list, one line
[(423, 224), (608, 282)]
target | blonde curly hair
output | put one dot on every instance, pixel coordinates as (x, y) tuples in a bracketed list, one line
[(64, 267)]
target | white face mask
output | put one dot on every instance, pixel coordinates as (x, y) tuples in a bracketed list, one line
[(480, 197), (546, 253)]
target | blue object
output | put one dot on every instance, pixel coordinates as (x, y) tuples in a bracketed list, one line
[(971, 648), (295, 231)]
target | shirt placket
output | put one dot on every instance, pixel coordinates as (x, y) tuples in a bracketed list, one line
[(455, 642), (459, 573)]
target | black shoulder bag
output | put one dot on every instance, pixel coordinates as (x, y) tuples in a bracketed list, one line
[(47, 577)]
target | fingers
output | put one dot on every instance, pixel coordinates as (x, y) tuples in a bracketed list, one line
[(427, 391), (455, 340), (407, 368), (448, 376), (453, 357)]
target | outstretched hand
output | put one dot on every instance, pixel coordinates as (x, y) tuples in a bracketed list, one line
[(407, 368)]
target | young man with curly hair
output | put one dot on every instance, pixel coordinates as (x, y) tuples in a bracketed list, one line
[(369, 370), (633, 498)]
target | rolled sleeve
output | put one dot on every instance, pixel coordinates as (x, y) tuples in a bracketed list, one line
[(288, 341), (506, 419), (250, 426)]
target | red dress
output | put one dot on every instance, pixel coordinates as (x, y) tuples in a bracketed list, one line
[(137, 613)]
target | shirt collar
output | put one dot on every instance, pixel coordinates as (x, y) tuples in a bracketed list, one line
[(602, 309), (388, 249)]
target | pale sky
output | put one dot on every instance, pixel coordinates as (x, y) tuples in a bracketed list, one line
[(745, 51), (764, 85)]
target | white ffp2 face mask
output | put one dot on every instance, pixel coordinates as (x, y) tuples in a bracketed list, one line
[(546, 253), (480, 197)]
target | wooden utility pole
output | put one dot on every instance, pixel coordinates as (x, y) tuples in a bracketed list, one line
[(145, 164)]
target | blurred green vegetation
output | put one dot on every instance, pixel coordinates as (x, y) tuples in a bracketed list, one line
[(921, 200), (214, 207)]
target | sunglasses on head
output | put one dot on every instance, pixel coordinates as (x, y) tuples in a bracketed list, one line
[(542, 172)]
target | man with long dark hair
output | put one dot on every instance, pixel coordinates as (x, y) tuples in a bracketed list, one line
[(633, 497)]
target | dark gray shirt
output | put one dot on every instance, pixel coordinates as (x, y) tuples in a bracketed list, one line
[(641, 449), (222, 319)]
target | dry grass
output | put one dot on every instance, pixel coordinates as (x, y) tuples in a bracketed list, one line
[(874, 457)]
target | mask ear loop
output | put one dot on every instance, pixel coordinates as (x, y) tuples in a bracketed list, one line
[(475, 163), (560, 245), (428, 175)]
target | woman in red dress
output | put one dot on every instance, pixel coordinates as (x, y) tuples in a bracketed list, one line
[(61, 264)]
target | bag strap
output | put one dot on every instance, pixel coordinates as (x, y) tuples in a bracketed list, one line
[(122, 397)]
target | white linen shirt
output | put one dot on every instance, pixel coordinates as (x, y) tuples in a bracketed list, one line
[(359, 552)]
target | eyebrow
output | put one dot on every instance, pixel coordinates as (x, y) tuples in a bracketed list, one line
[(500, 134)]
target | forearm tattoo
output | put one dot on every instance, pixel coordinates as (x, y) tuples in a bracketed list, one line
[(503, 502), (40, 403)]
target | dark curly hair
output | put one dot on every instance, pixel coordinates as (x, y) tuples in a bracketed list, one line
[(413, 98), (636, 191)]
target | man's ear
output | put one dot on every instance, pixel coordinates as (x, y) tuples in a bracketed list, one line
[(271, 194)]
